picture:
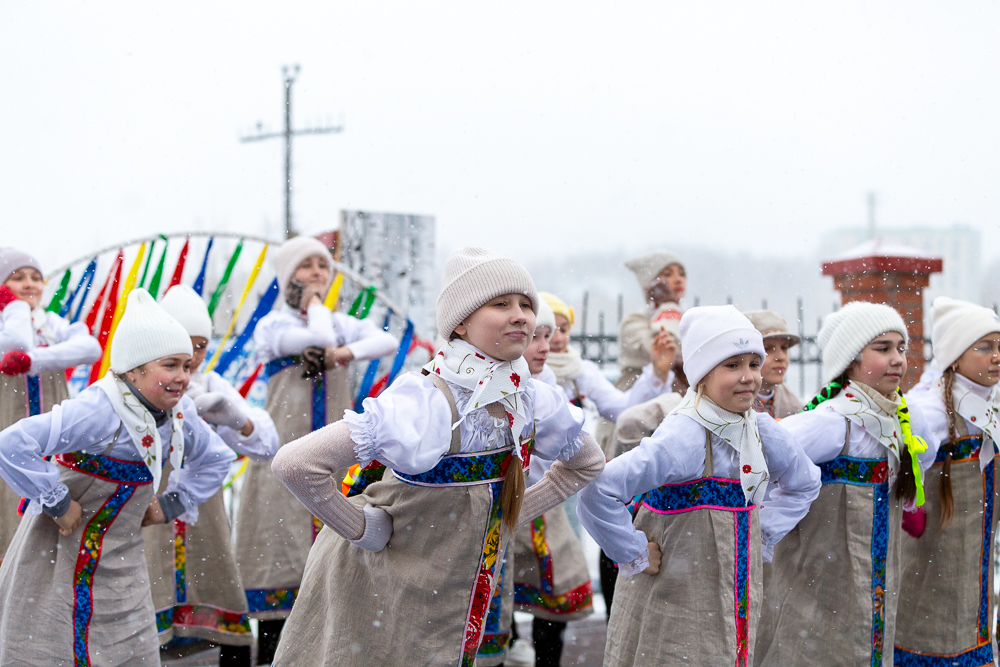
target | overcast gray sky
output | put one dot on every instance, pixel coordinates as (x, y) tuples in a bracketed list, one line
[(531, 128)]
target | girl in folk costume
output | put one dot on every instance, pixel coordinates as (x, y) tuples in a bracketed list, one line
[(307, 349), (775, 398), (36, 348), (701, 478), (195, 583), (404, 572), (501, 644), (834, 581), (75, 570), (947, 596)]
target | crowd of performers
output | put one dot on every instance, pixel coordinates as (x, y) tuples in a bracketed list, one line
[(738, 524)]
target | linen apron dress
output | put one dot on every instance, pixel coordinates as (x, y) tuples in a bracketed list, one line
[(83, 599), (423, 599), (703, 605), (274, 531), (833, 590), (195, 583), (24, 396), (946, 595)]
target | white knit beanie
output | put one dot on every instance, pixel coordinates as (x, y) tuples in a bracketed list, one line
[(712, 334), (292, 253), (184, 305), (12, 259), (146, 333), (846, 332), (647, 267), (956, 325), (473, 276), (546, 317)]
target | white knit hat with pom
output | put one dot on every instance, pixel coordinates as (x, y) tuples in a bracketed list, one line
[(292, 253), (712, 334), (146, 333), (846, 332), (546, 317), (473, 276), (956, 325), (184, 305)]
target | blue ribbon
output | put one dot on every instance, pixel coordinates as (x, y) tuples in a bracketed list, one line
[(236, 350), (404, 349), (88, 277), (199, 282), (369, 379)]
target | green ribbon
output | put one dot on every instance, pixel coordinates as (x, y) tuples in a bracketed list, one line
[(55, 305), (154, 284), (217, 294)]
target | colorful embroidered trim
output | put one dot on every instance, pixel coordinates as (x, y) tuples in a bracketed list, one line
[(317, 526), (318, 417), (984, 572), (200, 616), (462, 469), (107, 468), (495, 642), (271, 599), (87, 560), (960, 450), (180, 561), (164, 620), (741, 592), (704, 493), (575, 600), (359, 479), (483, 587), (981, 656), (34, 392), (880, 548), (855, 471)]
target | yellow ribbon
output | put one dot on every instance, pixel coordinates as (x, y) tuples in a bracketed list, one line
[(331, 297), (232, 323), (243, 461), (914, 444), (120, 308)]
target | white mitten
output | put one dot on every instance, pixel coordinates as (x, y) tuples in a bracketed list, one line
[(194, 390), (215, 408), (378, 529)]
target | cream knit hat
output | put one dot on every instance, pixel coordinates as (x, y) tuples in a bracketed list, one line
[(12, 259), (712, 334), (184, 305), (956, 325), (846, 332), (473, 276), (146, 333), (647, 267), (292, 253), (545, 317), (771, 325)]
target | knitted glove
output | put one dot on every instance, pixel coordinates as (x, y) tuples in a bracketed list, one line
[(313, 361), (915, 522), (14, 362), (6, 297), (215, 408), (378, 529), (194, 390)]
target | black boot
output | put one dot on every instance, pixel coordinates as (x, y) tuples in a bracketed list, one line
[(234, 656), (269, 632)]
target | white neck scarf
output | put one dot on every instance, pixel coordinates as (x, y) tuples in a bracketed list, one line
[(978, 411), (42, 330), (873, 412), (566, 365), (489, 380), (141, 426), (740, 431)]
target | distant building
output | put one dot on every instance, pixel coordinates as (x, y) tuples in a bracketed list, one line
[(958, 246)]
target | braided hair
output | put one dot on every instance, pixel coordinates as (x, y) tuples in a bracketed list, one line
[(827, 392), (944, 482)]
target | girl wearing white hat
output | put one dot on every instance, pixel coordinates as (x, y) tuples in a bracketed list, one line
[(701, 477), (834, 583), (455, 440), (211, 603), (36, 348), (947, 589), (75, 573), (307, 349)]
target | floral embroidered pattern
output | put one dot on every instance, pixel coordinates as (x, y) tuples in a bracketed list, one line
[(851, 470), (705, 493), (212, 618), (880, 548), (180, 561), (147, 441), (475, 468), (363, 478), (87, 560), (984, 571), (107, 468), (960, 450), (495, 642), (741, 591), (975, 657), (516, 379), (581, 597), (271, 599), (482, 590), (33, 390)]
